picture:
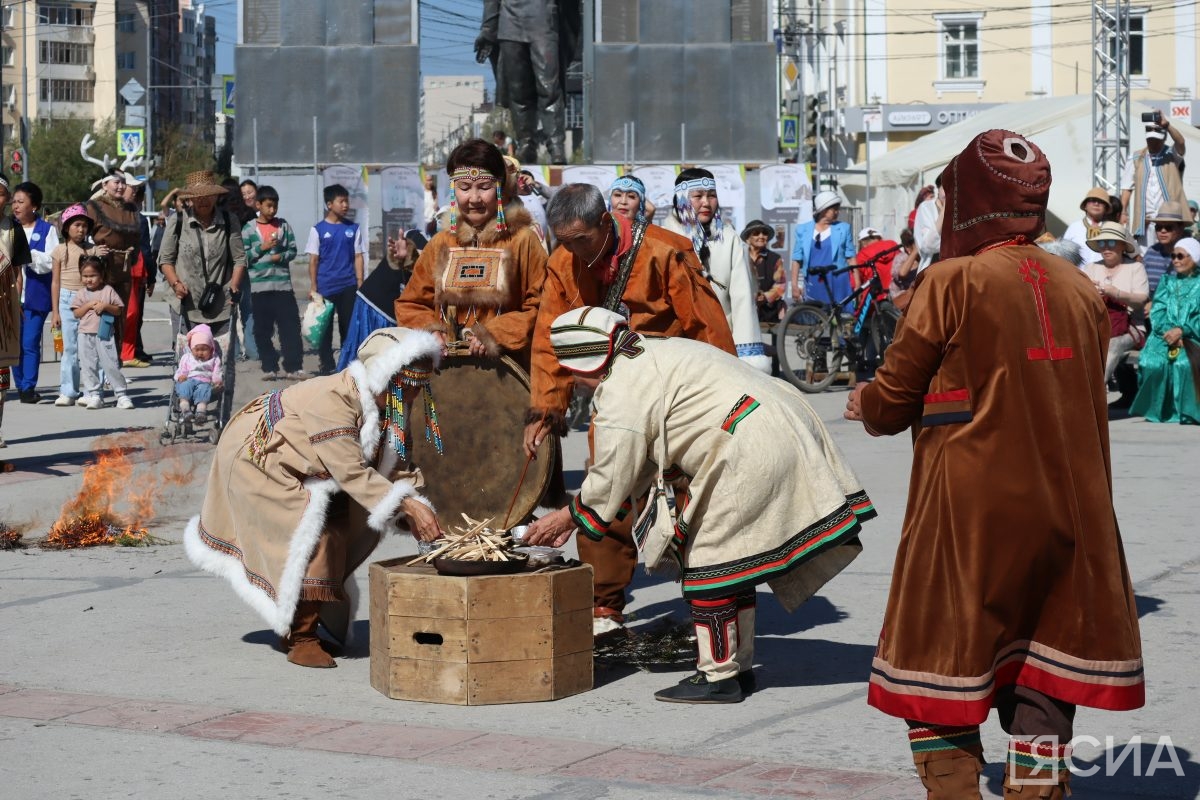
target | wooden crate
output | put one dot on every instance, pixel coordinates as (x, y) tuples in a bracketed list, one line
[(480, 640)]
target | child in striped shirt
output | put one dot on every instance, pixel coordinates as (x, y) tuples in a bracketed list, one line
[(270, 250)]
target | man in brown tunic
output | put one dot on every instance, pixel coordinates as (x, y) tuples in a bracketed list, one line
[(662, 292), (1010, 588)]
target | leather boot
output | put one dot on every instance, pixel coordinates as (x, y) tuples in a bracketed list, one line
[(745, 645), (948, 760), (305, 648), (1019, 785), (954, 777)]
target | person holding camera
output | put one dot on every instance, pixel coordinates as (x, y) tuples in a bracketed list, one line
[(1152, 176)]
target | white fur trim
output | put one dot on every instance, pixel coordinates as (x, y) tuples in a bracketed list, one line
[(278, 613), (368, 434), (385, 511), (415, 346)]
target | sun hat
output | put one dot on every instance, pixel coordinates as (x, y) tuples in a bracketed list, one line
[(825, 199), (73, 213), (202, 183), (585, 339), (756, 226), (1170, 211), (1096, 193), (868, 232), (1112, 231)]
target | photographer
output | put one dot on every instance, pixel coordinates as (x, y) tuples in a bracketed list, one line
[(1152, 176)]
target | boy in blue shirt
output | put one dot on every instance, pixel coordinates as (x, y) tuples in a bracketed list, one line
[(335, 268)]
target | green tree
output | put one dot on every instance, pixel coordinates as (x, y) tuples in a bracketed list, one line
[(55, 163), (179, 153)]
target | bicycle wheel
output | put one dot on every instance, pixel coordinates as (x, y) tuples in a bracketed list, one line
[(883, 327), (808, 357)]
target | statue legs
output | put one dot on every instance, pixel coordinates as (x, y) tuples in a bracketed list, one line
[(530, 73)]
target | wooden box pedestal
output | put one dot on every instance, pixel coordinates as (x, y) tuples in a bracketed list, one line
[(480, 640)]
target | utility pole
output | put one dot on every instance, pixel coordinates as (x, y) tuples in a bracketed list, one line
[(1110, 91)]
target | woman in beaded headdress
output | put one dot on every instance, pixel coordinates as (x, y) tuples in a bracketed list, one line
[(306, 480), (627, 197), (479, 282), (696, 216)]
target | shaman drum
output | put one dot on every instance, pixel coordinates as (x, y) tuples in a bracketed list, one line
[(481, 406)]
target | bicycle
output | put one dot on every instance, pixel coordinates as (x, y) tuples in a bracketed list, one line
[(814, 338)]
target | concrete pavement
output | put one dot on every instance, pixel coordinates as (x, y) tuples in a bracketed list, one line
[(126, 672)]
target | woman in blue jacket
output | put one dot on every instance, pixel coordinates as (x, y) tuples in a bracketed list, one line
[(823, 242)]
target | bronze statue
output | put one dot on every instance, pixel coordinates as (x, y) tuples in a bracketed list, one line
[(530, 43)]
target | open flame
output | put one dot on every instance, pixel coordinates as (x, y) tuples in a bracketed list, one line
[(91, 518)]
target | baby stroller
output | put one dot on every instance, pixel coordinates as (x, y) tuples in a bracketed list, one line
[(185, 427)]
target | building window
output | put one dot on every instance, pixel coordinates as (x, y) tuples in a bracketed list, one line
[(960, 49), (64, 53), (127, 60), (8, 94), (6, 16), (56, 91), (53, 14), (125, 22), (1137, 42)]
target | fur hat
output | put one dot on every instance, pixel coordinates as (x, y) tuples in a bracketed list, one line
[(388, 350), (584, 339)]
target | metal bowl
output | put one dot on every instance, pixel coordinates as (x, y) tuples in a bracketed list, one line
[(518, 533), (453, 566)]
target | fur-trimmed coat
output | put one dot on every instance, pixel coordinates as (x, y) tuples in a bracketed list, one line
[(501, 318), (270, 490)]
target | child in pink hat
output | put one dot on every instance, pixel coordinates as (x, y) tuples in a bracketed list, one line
[(198, 374)]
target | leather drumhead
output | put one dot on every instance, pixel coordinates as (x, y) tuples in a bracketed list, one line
[(481, 405)]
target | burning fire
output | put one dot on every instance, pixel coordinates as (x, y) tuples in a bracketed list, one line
[(90, 518)]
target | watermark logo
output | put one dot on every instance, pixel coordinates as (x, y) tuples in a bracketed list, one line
[(1044, 758)]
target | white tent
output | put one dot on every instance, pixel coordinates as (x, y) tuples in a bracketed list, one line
[(1061, 126)]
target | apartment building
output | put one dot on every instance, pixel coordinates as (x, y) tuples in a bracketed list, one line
[(70, 59), (915, 66)]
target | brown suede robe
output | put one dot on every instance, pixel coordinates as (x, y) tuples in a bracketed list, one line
[(503, 320), (1010, 568)]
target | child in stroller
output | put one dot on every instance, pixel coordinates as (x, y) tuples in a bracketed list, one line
[(202, 395), (198, 375)]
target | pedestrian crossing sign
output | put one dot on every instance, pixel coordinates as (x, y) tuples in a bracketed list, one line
[(131, 141), (227, 96), (789, 132)]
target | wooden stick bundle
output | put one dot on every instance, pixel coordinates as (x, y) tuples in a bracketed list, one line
[(476, 542)]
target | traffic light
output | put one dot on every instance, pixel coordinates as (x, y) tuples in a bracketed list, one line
[(17, 166), (812, 114)]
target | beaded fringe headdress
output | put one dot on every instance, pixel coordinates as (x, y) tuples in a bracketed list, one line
[(687, 214), (630, 183), (475, 173), (393, 412)]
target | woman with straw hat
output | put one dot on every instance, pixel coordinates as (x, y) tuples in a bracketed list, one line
[(203, 245), (1123, 287), (1096, 207)]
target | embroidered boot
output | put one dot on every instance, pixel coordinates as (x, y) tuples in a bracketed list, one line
[(1037, 771), (948, 760), (745, 644), (716, 678), (305, 648)]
